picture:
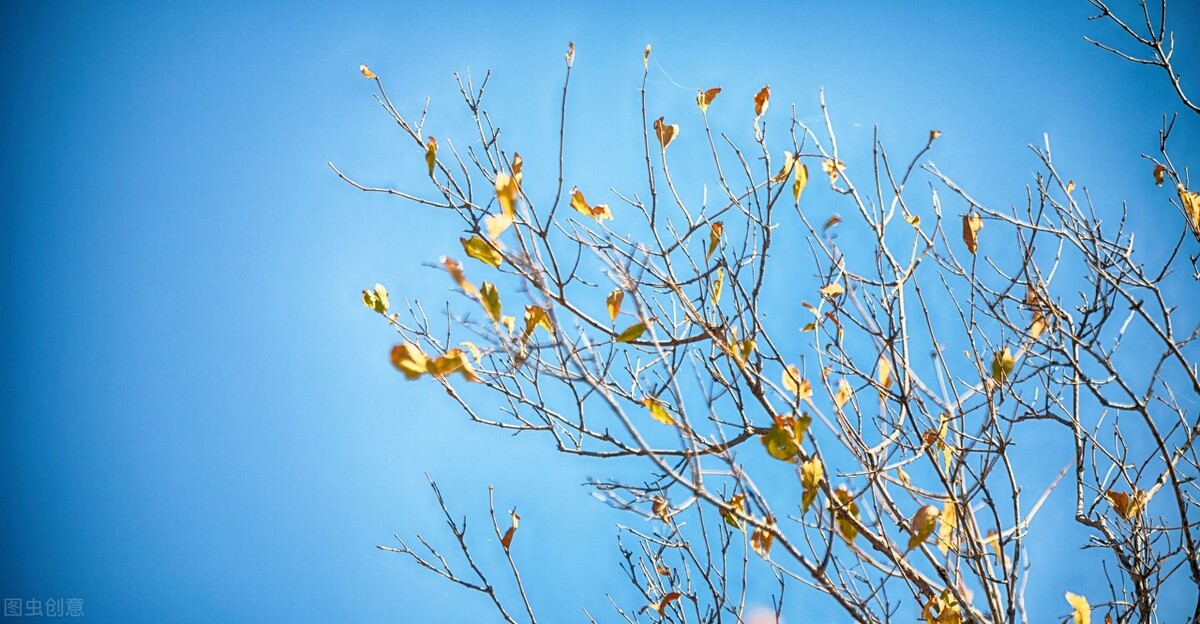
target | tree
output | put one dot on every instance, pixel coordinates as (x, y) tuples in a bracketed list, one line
[(949, 333)]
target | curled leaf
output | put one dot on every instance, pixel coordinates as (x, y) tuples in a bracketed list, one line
[(431, 154), (762, 538), (843, 393), (1159, 172), (506, 194), (1191, 208), (783, 439), (506, 541), (704, 98), (718, 285), (490, 299), (716, 230), (833, 169), (972, 223), (921, 525), (794, 383), (789, 161), (1002, 365), (613, 302), (884, 373), (518, 164), (599, 212), (661, 508), (1129, 507), (665, 132), (762, 100), (662, 604), (646, 58), (846, 510), (800, 181), (811, 474), (455, 269), (737, 509), (832, 290), (376, 298), (367, 73), (481, 250), (934, 134), (536, 316), (409, 359), (454, 361), (949, 518), (570, 55), (632, 333)]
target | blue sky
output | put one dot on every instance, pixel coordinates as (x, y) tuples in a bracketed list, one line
[(199, 421)]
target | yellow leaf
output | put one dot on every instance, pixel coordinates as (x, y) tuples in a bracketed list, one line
[(536, 316), (832, 290), (704, 98), (366, 72), (376, 299), (570, 56), (646, 57), (509, 323), (475, 352), (454, 361), (949, 519), (761, 539), (666, 600), (762, 100), (737, 505), (788, 162), (506, 541), (506, 194), (934, 134), (811, 474), (942, 441), (914, 221), (796, 384), (1002, 364), (1081, 611), (885, 372), (455, 268), (846, 508), (993, 540), (801, 180), (599, 212), (632, 333), (518, 164), (1070, 187), (1191, 208), (1159, 171), (921, 525), (972, 223), (665, 132), (431, 154), (479, 249), (409, 359), (714, 237), (658, 410), (1129, 507), (843, 393), (833, 169), (661, 508), (614, 303), (1038, 326), (718, 284), (496, 225), (490, 299), (904, 478), (783, 439)]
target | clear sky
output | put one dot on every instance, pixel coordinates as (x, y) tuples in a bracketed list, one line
[(199, 421)]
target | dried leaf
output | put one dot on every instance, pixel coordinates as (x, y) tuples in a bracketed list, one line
[(613, 301), (831, 221), (509, 323), (518, 164), (1003, 363), (632, 333), (570, 56), (843, 393), (794, 383), (376, 299), (1038, 326), (665, 132), (479, 249), (409, 359), (762, 538), (599, 212), (789, 161), (1070, 187), (661, 508), (832, 290), (666, 600), (506, 541), (846, 508), (914, 221), (704, 98), (972, 223), (921, 525), (490, 299), (1191, 208), (454, 361), (737, 505), (833, 169), (646, 58), (942, 441), (455, 268), (811, 474), (1159, 171), (949, 519), (506, 194), (367, 73), (431, 154), (884, 372), (762, 100), (800, 181), (934, 134), (496, 225), (783, 439), (718, 285), (716, 230), (658, 410), (1129, 507), (536, 316), (475, 352), (1081, 611)]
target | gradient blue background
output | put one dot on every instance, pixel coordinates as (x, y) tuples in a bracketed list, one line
[(199, 420)]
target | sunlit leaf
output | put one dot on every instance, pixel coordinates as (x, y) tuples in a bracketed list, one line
[(737, 505), (658, 410), (1129, 507), (490, 298), (599, 212), (1002, 365), (884, 372), (843, 393), (832, 290), (762, 538), (1081, 611), (794, 383), (632, 333), (518, 164), (845, 508), (454, 361), (1070, 187), (479, 249), (570, 56), (914, 221), (921, 525), (800, 172), (509, 323), (811, 474), (831, 221), (718, 285), (475, 352), (762, 100), (376, 298), (904, 478), (536, 316), (455, 268), (1159, 172), (789, 161), (1191, 208), (613, 301), (431, 148), (496, 225), (783, 439), (506, 194), (993, 540), (646, 57), (943, 442), (934, 134), (661, 508), (665, 132), (972, 223), (367, 73), (942, 609), (506, 541), (409, 359), (1038, 326), (949, 519), (704, 98), (833, 169), (716, 230), (662, 604)]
